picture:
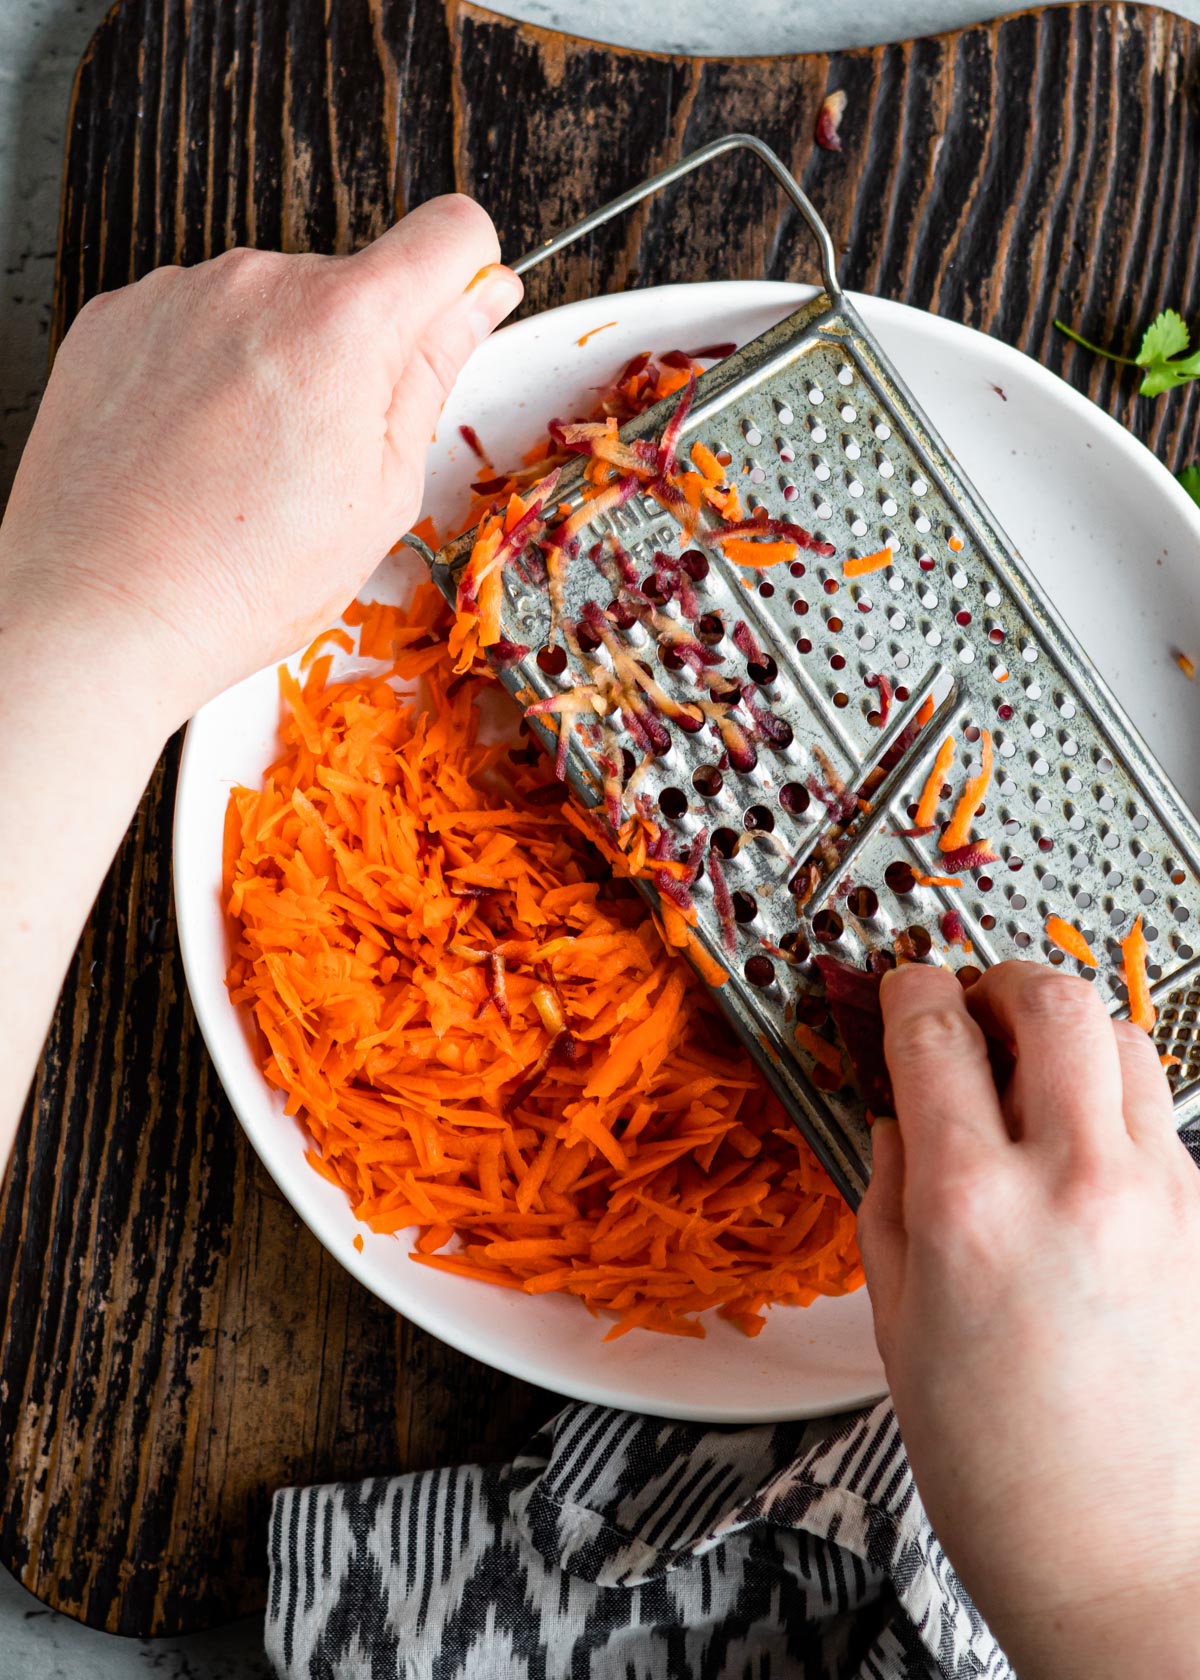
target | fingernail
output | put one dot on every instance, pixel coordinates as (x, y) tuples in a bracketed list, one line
[(494, 293)]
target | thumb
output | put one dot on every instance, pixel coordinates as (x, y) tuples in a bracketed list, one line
[(882, 1239), (438, 355)]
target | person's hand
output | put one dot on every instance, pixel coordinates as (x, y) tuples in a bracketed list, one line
[(225, 452), (1032, 1259)]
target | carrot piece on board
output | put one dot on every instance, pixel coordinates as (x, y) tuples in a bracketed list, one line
[(931, 793), (743, 551), (958, 830), (1136, 954), (1070, 940)]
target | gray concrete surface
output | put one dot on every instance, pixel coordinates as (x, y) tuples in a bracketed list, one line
[(40, 43)]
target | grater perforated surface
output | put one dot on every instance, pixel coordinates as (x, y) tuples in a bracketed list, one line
[(813, 426)]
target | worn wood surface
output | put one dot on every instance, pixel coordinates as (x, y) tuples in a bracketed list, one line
[(174, 1344)]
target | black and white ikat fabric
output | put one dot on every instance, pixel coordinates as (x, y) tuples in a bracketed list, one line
[(620, 1547)]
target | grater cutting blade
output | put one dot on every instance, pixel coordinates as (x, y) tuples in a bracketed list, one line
[(816, 427)]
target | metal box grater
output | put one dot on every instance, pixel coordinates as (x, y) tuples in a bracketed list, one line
[(821, 431)]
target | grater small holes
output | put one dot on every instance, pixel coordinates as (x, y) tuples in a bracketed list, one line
[(815, 394), (824, 511), (848, 413), (789, 491), (922, 524), (759, 971), (919, 487), (863, 603), (766, 590), (1105, 801), (710, 629), (827, 926), (882, 431), (830, 586), (984, 883), (752, 435), (1140, 822), (961, 617), (934, 638), (959, 578), (817, 431), (707, 781), (695, 564), (1050, 882), (845, 376), (901, 661), (803, 645), (841, 701), (552, 660), (797, 569), (672, 802), (1045, 843), (900, 878), (1055, 956), (837, 661), (799, 606), (1181, 913), (1070, 747), (1084, 900), (995, 634), (1103, 764), (1018, 901), (1186, 952), (1147, 896), (725, 842), (1177, 877), (926, 562), (1074, 785), (850, 448), (916, 943), (1012, 826), (820, 470), (1022, 940), (987, 922), (794, 797), (745, 907), (1006, 749), (759, 819)]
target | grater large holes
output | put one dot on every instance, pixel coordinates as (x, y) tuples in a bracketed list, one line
[(759, 971), (725, 842), (745, 907), (707, 781), (828, 927), (900, 877), (552, 660), (759, 819), (795, 798), (672, 802)]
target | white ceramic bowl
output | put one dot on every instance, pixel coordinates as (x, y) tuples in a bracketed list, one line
[(1115, 542)]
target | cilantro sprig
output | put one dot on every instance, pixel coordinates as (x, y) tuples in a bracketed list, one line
[(1160, 355), (1189, 480)]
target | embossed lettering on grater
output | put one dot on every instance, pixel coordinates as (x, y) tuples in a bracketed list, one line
[(818, 428)]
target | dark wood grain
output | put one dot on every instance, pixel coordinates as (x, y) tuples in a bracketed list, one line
[(174, 1344)]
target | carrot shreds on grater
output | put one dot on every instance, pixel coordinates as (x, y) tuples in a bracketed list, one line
[(769, 723)]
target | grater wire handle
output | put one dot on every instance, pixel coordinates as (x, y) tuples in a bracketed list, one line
[(675, 172)]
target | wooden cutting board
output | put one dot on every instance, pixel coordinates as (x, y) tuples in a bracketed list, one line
[(175, 1344)]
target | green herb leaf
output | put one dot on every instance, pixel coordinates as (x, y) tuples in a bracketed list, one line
[(1189, 479), (1160, 354), (1166, 336)]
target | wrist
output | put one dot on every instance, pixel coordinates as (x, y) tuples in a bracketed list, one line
[(77, 663)]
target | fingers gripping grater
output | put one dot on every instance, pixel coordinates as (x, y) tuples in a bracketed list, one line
[(818, 429)]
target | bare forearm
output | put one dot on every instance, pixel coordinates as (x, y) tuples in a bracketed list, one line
[(79, 735)]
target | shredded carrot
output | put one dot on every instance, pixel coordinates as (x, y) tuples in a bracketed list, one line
[(958, 829), (1070, 940), (745, 552), (827, 1055), (937, 880), (926, 712), (1170, 1061), (931, 793), (358, 1242), (1136, 953), (484, 1038), (592, 333), (865, 564), (1187, 665), (707, 463)]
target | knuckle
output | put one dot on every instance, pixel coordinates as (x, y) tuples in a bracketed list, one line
[(929, 1036), (1058, 1000)]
